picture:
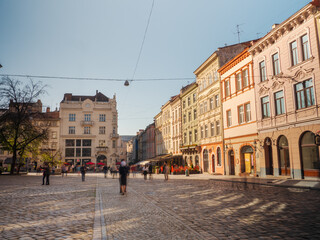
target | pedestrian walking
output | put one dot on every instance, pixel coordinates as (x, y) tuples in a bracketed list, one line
[(150, 171), (46, 174), (83, 170), (145, 172), (166, 171), (63, 170), (105, 170), (123, 172)]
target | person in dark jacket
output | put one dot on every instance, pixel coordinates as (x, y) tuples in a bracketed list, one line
[(123, 172), (46, 174), (83, 170), (105, 170)]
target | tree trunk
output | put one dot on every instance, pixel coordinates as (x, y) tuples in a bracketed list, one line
[(14, 159)]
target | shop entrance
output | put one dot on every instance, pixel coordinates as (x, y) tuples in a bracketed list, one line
[(268, 156), (283, 155), (231, 162), (205, 160)]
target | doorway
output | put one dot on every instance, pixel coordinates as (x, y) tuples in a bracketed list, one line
[(268, 156), (231, 162)]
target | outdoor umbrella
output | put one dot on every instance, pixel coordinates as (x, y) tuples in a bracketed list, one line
[(100, 163), (90, 163)]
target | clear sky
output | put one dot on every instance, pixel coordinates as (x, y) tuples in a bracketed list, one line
[(102, 39)]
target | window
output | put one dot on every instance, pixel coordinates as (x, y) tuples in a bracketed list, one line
[(78, 152), (212, 129), (304, 94), (86, 142), (194, 97), (102, 117), (86, 130), (247, 112), (294, 53), (218, 127), (72, 117), (86, 152), (189, 116), (201, 108), (205, 106), (102, 130), (69, 152), (239, 81), (262, 69), (211, 103), (87, 117), (219, 157), (245, 78), (275, 64), (305, 47), (78, 142), (216, 99), (206, 131), (69, 142), (189, 101), (229, 120), (241, 114), (195, 114), (265, 107), (279, 102), (114, 130), (184, 118), (185, 138), (114, 143), (227, 88), (204, 83), (72, 130), (210, 79), (190, 137), (184, 104), (195, 135), (54, 135), (201, 132)]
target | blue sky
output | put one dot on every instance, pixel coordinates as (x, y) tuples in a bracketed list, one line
[(102, 39)]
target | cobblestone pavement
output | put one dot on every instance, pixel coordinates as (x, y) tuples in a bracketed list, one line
[(62, 210), (154, 209)]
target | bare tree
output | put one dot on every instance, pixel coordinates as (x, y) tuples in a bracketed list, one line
[(18, 128)]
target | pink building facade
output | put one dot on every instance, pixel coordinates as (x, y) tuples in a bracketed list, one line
[(287, 91)]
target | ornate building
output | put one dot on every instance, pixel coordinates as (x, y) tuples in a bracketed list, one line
[(190, 135), (239, 115), (287, 90), (209, 108), (89, 129)]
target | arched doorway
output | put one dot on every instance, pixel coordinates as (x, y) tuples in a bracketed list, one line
[(309, 155), (197, 160), (213, 163), (205, 160), (283, 156), (101, 159), (231, 162), (268, 156), (247, 165)]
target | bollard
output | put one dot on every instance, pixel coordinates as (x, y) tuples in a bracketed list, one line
[(187, 172)]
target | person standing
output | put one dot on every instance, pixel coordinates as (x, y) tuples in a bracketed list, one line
[(63, 170), (145, 172), (166, 171), (150, 171), (46, 174), (83, 170), (123, 172), (105, 170)]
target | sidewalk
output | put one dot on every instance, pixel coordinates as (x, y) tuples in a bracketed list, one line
[(271, 181)]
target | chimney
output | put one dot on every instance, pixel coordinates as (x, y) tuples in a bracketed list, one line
[(67, 96), (48, 109), (97, 92)]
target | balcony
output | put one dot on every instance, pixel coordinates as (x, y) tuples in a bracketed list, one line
[(102, 149), (114, 135), (86, 123)]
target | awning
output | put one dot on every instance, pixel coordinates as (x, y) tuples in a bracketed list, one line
[(143, 162)]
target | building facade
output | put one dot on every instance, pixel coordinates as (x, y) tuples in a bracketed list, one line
[(239, 115), (210, 110), (89, 129), (287, 91), (176, 126), (189, 123)]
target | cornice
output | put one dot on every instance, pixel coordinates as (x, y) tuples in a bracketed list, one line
[(283, 28)]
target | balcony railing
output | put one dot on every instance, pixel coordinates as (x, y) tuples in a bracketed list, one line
[(87, 123), (114, 135)]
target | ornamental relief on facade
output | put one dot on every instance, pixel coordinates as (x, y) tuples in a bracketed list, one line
[(302, 74)]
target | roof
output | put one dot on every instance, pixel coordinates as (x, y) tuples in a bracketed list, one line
[(99, 97)]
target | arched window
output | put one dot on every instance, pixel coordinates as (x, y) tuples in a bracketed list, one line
[(218, 156), (309, 154), (283, 153), (197, 160)]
